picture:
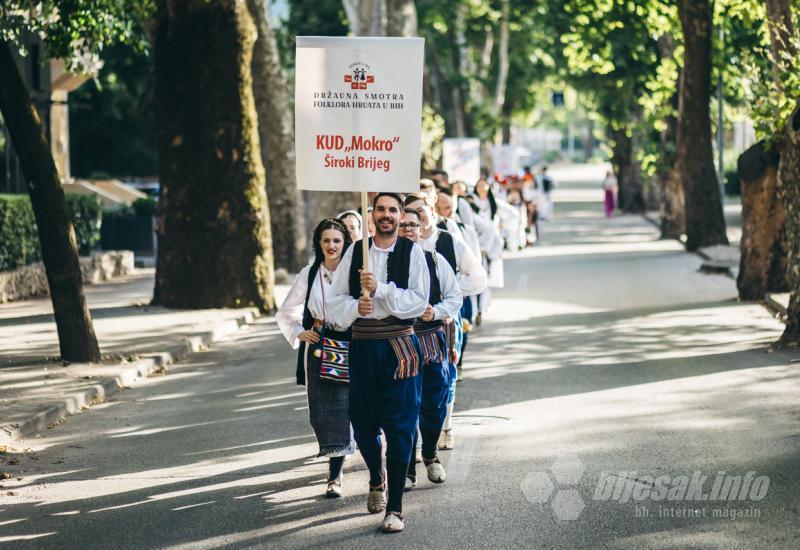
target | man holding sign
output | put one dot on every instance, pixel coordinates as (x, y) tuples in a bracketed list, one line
[(385, 386), (358, 114)]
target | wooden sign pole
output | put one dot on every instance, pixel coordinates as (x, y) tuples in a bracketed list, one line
[(365, 234)]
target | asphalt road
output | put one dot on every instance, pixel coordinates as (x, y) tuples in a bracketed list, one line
[(607, 367)]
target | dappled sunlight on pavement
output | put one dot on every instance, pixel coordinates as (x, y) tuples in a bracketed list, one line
[(607, 348)]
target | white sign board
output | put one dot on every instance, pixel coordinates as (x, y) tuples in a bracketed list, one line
[(358, 113), (461, 159), (504, 162)]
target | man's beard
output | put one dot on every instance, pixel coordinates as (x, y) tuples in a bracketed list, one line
[(390, 232)]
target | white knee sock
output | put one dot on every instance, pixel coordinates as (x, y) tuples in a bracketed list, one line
[(448, 420)]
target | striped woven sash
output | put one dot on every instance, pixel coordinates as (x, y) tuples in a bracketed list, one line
[(400, 338), (429, 342), (450, 338)]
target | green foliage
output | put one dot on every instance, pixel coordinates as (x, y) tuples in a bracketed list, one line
[(111, 132), (611, 52), (432, 135), (87, 215), (19, 236), (112, 119), (774, 87), (744, 44), (140, 208), (76, 30), (144, 208), (309, 18), (19, 239), (462, 44)]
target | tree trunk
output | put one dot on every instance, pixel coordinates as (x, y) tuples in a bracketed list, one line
[(276, 135), (782, 36), (458, 94), (762, 267), (441, 93), (366, 17), (652, 193), (459, 120), (505, 121), (432, 76), (76, 337), (214, 234), (502, 71), (401, 18), (588, 142), (789, 192), (705, 222), (672, 203), (477, 82), (673, 221), (630, 196)]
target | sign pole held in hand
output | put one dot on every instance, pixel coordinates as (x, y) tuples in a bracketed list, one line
[(358, 116), (365, 235)]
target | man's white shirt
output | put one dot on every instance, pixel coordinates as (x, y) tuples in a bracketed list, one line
[(471, 276), (389, 300)]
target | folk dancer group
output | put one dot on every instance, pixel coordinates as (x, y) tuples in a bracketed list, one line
[(378, 350)]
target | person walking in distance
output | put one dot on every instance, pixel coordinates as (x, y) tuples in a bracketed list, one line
[(547, 184), (610, 192), (385, 387)]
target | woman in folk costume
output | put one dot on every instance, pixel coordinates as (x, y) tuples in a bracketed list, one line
[(485, 201), (304, 320), (352, 221), (506, 219)]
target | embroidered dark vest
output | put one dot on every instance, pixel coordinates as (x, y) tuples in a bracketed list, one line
[(397, 268), (447, 248), (435, 294), (308, 322)]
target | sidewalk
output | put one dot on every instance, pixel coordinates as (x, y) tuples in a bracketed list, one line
[(136, 340), (722, 259)]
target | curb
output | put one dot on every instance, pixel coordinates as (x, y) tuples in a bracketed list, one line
[(155, 362), (651, 221), (712, 266)]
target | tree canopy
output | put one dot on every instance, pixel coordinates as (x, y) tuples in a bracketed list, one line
[(76, 30)]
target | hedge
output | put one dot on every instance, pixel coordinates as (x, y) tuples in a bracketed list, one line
[(145, 207), (87, 216), (19, 236)]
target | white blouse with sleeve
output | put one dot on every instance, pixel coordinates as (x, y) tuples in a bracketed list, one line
[(290, 314)]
